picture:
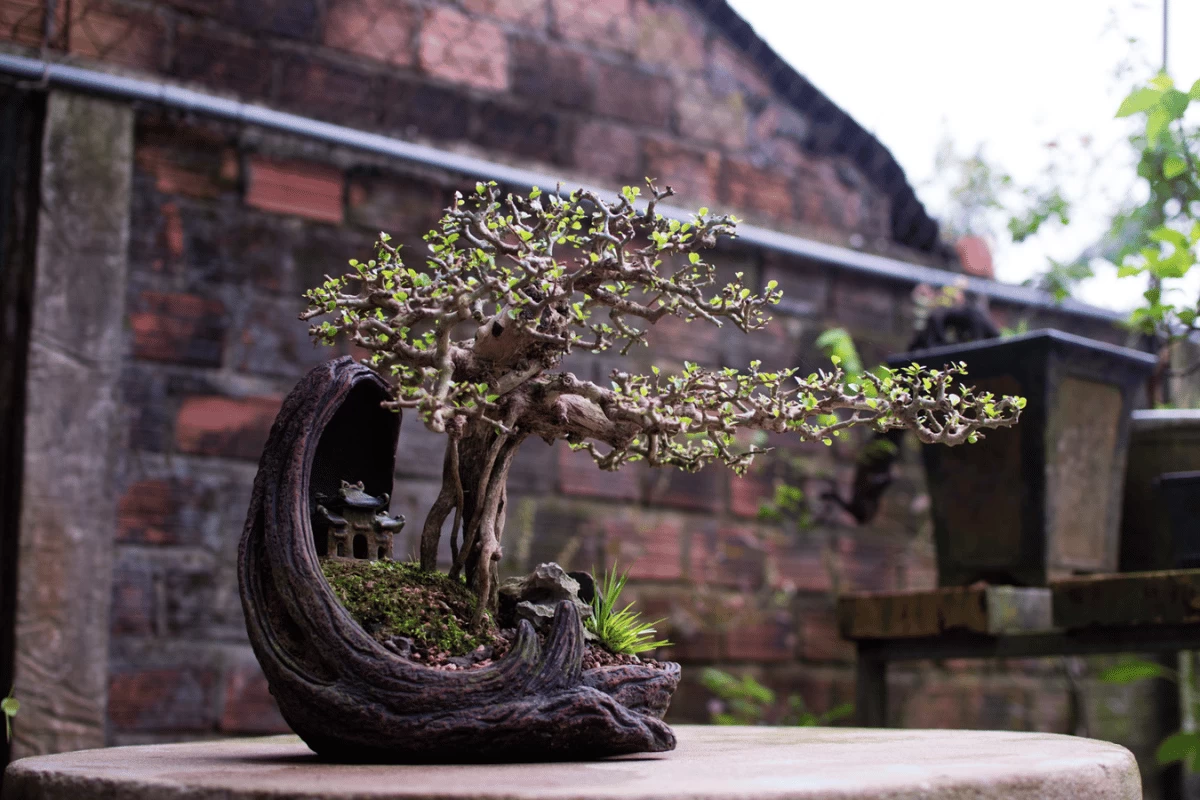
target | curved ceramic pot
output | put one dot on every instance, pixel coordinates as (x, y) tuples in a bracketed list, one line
[(1160, 441), (350, 698)]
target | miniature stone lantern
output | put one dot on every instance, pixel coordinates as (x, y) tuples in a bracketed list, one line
[(356, 525)]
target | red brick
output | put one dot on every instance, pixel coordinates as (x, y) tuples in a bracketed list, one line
[(117, 35), (633, 95), (692, 173), (21, 21), (459, 49), (670, 36), (748, 492), (935, 705), (729, 62), (171, 176), (172, 231), (221, 62), (768, 641), (820, 639), (292, 19), (303, 189), (249, 706), (716, 119), (551, 73), (694, 491), (518, 130), (145, 513), (738, 560), (529, 14), (180, 328), (606, 23), (649, 546), (177, 699), (608, 152), (225, 426), (341, 94), (800, 565), (748, 188), (402, 206), (686, 341), (133, 600), (381, 30), (865, 305), (868, 565), (578, 475)]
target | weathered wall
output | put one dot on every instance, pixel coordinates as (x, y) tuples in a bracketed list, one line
[(229, 224), (74, 436)]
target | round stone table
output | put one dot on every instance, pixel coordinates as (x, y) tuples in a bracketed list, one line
[(711, 763)]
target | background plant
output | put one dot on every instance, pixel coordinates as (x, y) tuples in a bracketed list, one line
[(745, 701), (1182, 746), (512, 284)]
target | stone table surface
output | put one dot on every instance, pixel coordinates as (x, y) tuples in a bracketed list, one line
[(711, 763)]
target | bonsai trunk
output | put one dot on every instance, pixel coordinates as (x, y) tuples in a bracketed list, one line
[(474, 489)]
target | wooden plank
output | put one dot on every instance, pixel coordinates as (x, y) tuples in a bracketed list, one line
[(1168, 597), (991, 610)]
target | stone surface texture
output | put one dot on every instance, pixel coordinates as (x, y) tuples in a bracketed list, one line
[(710, 764), (73, 441)]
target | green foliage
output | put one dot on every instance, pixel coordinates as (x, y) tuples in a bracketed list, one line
[(9, 706), (838, 345), (745, 701), (620, 631), (1178, 747), (1169, 220)]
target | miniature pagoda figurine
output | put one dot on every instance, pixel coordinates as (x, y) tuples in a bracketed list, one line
[(356, 525)]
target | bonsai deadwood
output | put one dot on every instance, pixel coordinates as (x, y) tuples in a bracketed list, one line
[(513, 284)]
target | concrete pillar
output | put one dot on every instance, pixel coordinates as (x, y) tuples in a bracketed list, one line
[(73, 426)]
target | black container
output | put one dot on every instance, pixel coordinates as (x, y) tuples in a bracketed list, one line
[(1179, 493), (1041, 499), (1160, 441)]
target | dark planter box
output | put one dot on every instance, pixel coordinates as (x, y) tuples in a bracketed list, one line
[(1160, 441), (1180, 495), (1041, 499)]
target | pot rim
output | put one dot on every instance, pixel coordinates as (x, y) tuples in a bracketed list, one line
[(1150, 419)]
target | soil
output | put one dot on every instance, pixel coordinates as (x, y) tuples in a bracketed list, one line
[(424, 616)]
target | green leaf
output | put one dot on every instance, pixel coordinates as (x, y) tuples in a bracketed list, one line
[(1173, 166), (10, 706), (1195, 91), (1157, 122), (1177, 747), (1139, 100), (1175, 102), (1133, 671)]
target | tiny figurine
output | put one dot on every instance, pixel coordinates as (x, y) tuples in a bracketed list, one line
[(356, 525)]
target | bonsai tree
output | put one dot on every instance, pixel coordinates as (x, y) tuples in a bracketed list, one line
[(472, 341)]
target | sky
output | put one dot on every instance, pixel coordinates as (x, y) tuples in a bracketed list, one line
[(1026, 79)]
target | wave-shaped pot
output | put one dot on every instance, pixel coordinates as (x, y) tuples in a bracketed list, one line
[(350, 698)]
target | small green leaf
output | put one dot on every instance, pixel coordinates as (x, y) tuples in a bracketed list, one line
[(1173, 166), (1177, 747), (1139, 100), (1195, 91), (1133, 671)]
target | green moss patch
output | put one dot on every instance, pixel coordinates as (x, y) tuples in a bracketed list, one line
[(392, 598)]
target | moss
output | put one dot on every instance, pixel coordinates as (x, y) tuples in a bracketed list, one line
[(393, 598)]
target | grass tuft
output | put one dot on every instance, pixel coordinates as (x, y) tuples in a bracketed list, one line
[(620, 631)]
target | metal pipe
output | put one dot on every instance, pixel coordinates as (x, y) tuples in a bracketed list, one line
[(64, 76)]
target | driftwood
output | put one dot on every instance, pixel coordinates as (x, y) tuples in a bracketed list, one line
[(351, 699)]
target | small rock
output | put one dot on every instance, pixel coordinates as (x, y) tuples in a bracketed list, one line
[(536, 596)]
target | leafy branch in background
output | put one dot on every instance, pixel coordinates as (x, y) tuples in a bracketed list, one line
[(621, 631), (1167, 250), (745, 701), (9, 706), (1181, 747)]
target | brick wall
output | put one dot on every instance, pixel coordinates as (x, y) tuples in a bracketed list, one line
[(613, 90), (229, 224)]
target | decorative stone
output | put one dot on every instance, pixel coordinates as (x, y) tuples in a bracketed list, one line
[(711, 763), (536, 596)]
